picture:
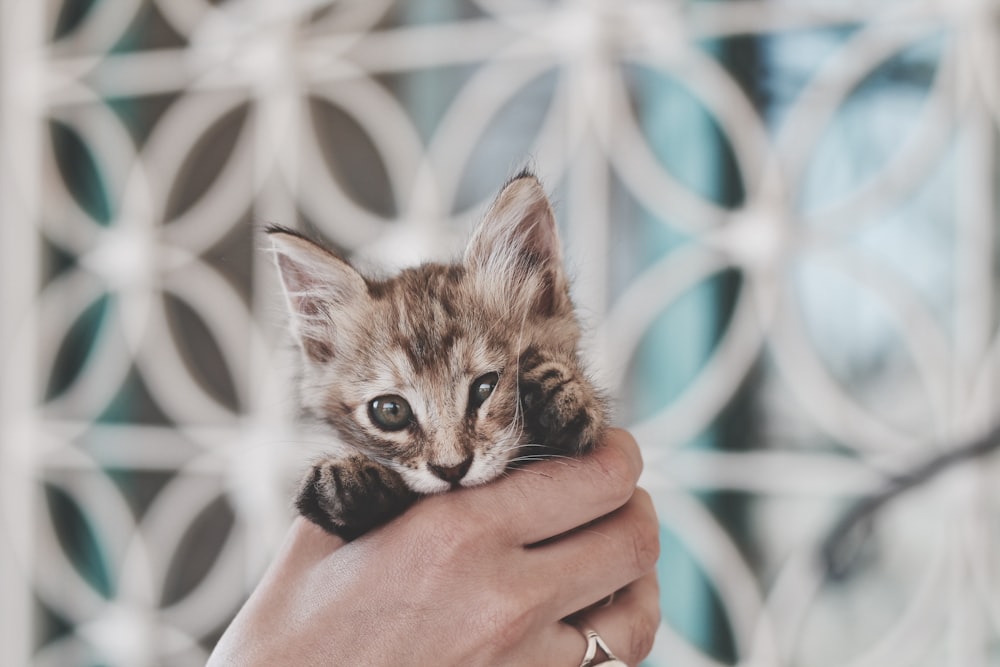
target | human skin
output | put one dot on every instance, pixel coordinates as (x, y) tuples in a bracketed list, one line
[(480, 576)]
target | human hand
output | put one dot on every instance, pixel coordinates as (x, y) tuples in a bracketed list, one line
[(477, 576)]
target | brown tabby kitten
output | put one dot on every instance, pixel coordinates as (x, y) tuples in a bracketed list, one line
[(443, 375)]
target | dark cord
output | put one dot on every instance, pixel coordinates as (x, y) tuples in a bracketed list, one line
[(840, 548)]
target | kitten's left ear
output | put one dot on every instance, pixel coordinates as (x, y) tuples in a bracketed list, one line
[(517, 244), (322, 292)]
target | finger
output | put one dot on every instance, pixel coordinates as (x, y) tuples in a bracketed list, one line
[(564, 646), (551, 497), (556, 645), (628, 625), (594, 561)]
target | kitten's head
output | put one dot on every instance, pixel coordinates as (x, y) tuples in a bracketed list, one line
[(420, 372)]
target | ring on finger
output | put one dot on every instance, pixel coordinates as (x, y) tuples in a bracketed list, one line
[(594, 642)]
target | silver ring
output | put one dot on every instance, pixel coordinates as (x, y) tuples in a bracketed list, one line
[(595, 642)]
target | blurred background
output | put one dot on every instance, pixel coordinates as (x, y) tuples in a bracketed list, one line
[(781, 217)]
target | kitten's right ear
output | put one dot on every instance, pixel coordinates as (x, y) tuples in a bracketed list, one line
[(516, 247), (318, 286)]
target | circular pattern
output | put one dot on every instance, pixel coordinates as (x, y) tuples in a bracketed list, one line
[(788, 273)]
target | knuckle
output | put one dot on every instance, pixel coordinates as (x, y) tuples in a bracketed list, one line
[(644, 506), (617, 474), (645, 546), (645, 551), (642, 634), (505, 618), (628, 447)]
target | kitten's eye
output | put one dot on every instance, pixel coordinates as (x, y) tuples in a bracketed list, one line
[(390, 413), (481, 389)]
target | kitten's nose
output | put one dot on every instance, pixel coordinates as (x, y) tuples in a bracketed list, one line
[(451, 474)]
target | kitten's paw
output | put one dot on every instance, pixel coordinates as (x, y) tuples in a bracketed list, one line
[(561, 408), (348, 497)]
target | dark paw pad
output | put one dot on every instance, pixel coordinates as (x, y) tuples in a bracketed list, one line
[(561, 416), (350, 497)]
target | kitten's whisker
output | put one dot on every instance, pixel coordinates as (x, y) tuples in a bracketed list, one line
[(518, 412), (529, 459), (543, 457), (540, 473), (387, 462), (517, 445), (508, 450)]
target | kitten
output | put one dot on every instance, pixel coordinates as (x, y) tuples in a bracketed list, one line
[(442, 376)]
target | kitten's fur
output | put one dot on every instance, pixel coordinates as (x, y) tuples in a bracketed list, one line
[(430, 336)]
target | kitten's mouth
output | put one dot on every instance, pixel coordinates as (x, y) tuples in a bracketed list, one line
[(485, 474), (426, 481)]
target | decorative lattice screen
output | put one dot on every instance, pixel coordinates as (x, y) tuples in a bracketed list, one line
[(781, 218)]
